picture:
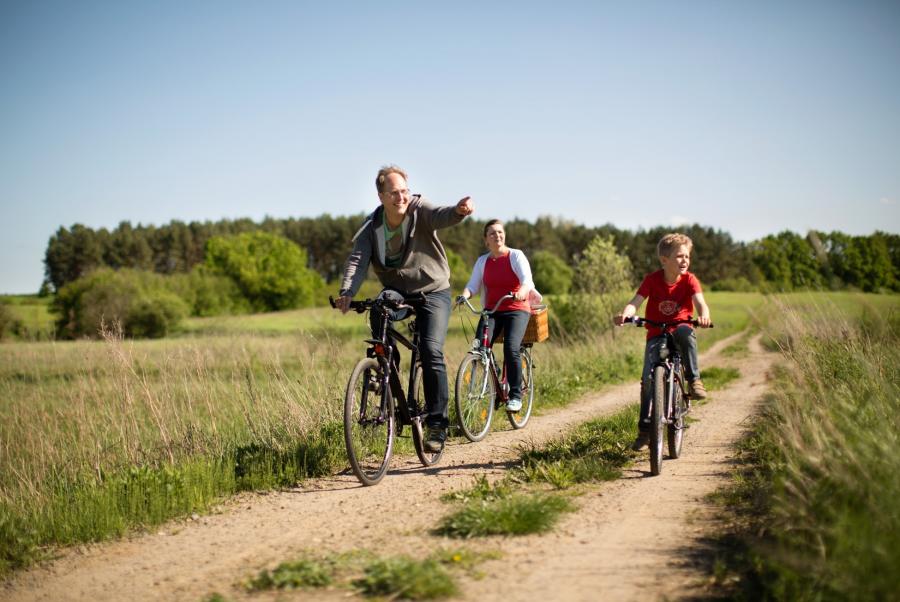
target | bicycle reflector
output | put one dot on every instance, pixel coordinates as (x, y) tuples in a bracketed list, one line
[(379, 349)]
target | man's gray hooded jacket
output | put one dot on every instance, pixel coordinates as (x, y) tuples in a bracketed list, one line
[(423, 267)]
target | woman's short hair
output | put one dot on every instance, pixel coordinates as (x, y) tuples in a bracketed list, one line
[(490, 223), (385, 172), (670, 242)]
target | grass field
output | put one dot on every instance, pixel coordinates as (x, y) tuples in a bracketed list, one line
[(813, 511), (102, 436)]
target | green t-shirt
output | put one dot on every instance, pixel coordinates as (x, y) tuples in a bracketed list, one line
[(394, 243)]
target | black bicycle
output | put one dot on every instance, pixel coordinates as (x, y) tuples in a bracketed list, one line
[(670, 399), (481, 385), (376, 408)]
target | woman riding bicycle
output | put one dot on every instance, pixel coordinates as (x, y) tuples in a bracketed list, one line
[(399, 239), (500, 271)]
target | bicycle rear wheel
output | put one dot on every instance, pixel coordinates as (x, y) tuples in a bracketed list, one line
[(368, 422), (417, 408), (519, 419), (675, 430), (657, 417), (474, 397)]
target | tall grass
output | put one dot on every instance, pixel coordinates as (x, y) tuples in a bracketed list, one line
[(97, 437), (821, 481), (101, 436)]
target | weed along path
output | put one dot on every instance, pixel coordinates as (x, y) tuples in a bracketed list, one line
[(619, 545)]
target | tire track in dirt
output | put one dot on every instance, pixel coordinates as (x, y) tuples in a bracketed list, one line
[(611, 542)]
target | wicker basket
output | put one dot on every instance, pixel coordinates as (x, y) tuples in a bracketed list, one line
[(537, 330)]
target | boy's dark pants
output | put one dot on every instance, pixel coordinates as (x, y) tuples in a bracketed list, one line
[(432, 319), (686, 340)]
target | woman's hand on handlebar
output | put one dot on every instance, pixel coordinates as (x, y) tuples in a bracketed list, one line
[(704, 322)]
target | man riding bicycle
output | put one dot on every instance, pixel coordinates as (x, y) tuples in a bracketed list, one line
[(399, 239)]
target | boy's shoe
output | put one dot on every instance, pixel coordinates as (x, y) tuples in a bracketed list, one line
[(642, 441), (513, 405), (697, 390), (434, 440)]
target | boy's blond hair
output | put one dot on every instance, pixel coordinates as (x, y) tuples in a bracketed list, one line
[(668, 243)]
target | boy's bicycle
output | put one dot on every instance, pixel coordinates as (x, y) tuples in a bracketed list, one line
[(670, 399), (375, 405), (481, 383)]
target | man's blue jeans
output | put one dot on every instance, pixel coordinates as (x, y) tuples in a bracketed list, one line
[(432, 319), (686, 340)]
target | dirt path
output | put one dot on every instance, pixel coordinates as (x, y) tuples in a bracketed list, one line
[(616, 547)]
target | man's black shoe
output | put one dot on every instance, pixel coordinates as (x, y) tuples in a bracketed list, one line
[(642, 441), (434, 440)]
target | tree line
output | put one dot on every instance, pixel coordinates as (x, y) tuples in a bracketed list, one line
[(784, 261)]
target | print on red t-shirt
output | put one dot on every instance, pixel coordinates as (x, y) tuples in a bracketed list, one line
[(499, 279), (668, 302)]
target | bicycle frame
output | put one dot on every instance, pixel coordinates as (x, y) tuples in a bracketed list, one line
[(498, 373), (384, 349), (670, 360)]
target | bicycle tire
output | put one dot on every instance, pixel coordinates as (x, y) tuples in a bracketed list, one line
[(675, 430), (474, 396), (657, 417), (417, 405), (519, 419), (368, 426)]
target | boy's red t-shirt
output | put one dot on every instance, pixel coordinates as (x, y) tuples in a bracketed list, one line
[(668, 302), (499, 279)]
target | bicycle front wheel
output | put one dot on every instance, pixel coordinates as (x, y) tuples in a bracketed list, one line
[(368, 422), (417, 407), (675, 430), (519, 419), (474, 398), (657, 417)]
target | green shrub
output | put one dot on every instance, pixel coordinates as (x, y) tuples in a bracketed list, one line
[(459, 271), (9, 324), (270, 270), (600, 288), (551, 274), (136, 302), (208, 293)]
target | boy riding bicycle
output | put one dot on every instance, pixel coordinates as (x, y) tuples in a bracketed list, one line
[(671, 294)]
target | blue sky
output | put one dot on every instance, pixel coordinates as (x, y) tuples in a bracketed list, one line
[(750, 117)]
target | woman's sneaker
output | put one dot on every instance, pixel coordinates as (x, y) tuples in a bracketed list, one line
[(513, 405)]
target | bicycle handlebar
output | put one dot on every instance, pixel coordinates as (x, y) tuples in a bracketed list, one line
[(637, 321), (463, 300), (359, 307)]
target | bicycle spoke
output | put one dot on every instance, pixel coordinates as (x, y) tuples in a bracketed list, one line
[(474, 397), (520, 419)]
